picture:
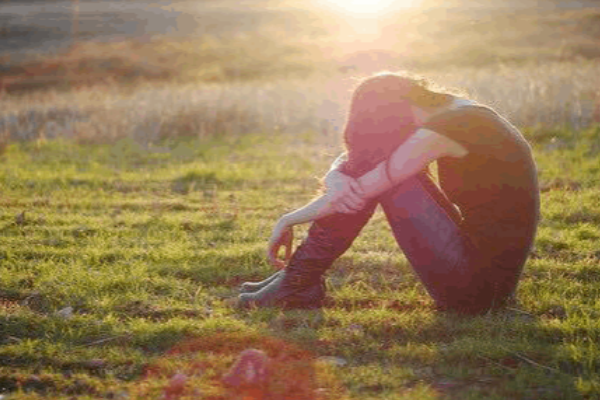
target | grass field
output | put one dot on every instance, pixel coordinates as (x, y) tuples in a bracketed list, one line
[(116, 261), (64, 44), (140, 178)]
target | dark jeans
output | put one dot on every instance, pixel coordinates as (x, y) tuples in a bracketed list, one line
[(427, 226)]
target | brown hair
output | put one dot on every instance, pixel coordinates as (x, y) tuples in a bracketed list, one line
[(381, 119), (422, 92)]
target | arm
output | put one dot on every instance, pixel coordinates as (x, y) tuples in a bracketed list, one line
[(318, 208), (343, 194), (423, 147), (347, 195), (338, 161), (283, 234), (409, 158)]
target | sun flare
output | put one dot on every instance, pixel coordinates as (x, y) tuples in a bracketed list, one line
[(371, 7)]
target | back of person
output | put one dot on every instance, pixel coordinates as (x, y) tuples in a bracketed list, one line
[(495, 185)]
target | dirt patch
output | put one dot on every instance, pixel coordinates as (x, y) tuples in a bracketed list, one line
[(291, 372)]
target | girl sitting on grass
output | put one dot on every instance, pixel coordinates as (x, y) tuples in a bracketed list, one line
[(467, 239)]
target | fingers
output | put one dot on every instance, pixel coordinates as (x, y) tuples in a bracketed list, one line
[(278, 263), (354, 201), (272, 256), (285, 241), (274, 261), (288, 239), (345, 208), (349, 204), (288, 250), (272, 253), (356, 188), (351, 198)]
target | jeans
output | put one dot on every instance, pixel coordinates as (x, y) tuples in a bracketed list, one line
[(427, 227)]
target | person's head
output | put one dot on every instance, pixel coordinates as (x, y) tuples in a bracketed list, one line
[(385, 110)]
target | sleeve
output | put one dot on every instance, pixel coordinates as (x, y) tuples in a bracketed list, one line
[(475, 128)]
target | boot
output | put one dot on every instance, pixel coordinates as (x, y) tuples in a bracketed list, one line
[(301, 284), (279, 292), (251, 287)]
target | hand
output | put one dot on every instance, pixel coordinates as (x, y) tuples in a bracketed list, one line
[(345, 192), (282, 236)]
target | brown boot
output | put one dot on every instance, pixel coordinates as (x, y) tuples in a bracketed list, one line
[(282, 292)]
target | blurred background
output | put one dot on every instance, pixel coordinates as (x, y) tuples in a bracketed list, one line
[(222, 67)]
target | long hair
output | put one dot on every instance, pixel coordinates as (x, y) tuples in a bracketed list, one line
[(380, 118)]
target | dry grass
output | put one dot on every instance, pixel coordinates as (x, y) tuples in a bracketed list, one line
[(205, 59), (551, 95), (261, 78), (262, 40)]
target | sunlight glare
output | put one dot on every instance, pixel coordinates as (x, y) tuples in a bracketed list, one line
[(371, 7)]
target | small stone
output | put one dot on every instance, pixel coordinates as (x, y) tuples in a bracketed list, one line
[(249, 370), (355, 329), (337, 361), (555, 311), (555, 144), (20, 218), (65, 313)]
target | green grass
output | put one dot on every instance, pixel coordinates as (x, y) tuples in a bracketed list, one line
[(133, 206), (147, 243)]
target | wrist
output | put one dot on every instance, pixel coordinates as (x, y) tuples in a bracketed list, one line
[(331, 176), (386, 172), (286, 221), (375, 182)]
